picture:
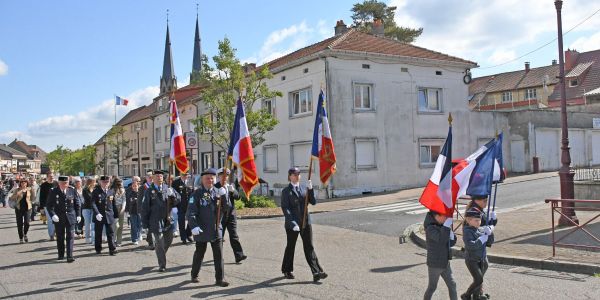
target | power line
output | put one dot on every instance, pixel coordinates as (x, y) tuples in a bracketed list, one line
[(542, 46)]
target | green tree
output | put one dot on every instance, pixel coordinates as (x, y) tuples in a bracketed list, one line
[(364, 14), (223, 85), (57, 159), (71, 162)]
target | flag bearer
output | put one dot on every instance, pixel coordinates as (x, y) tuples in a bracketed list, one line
[(476, 238), (439, 238)]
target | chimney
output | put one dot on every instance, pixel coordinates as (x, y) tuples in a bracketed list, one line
[(554, 62), (526, 66), (570, 59), (378, 29), (340, 27)]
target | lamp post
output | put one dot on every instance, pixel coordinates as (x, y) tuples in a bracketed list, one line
[(565, 174), (138, 128)]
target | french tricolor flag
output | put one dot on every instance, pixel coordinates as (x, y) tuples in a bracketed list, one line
[(439, 194), (178, 153), (240, 151), (476, 174), (322, 146), (121, 101)]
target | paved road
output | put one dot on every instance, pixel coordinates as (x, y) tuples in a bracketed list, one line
[(392, 219)]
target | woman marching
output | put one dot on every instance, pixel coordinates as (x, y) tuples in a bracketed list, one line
[(22, 196), (88, 211), (292, 204)]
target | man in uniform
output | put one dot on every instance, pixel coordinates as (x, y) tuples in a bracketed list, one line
[(65, 212), (229, 220), (105, 209), (206, 227), (158, 201), (182, 186)]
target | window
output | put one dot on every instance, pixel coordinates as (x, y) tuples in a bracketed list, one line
[(157, 135), (300, 155), (301, 102), (206, 160), (573, 82), (429, 150), (222, 155), (270, 158), (430, 100), (363, 96), (269, 106), (167, 133), (365, 151), (530, 94), (507, 97)]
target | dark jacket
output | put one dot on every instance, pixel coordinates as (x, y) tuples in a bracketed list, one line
[(104, 205), (437, 237), (202, 213), (230, 199), (473, 246), (132, 201), (156, 208), (292, 205), (44, 192), (64, 205), (185, 192), (87, 199)]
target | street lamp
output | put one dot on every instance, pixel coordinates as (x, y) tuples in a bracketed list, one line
[(138, 128), (565, 174)]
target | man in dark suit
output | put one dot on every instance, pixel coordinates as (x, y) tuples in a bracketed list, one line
[(158, 201), (204, 219), (181, 185), (105, 209), (229, 220), (292, 203), (65, 211)]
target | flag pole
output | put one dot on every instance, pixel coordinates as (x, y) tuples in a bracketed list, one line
[(306, 195), (115, 102), (496, 183), (451, 184)]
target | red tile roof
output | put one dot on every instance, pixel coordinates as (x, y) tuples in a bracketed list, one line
[(357, 41), (588, 80)]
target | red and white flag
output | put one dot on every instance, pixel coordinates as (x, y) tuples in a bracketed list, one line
[(178, 153), (240, 151), (322, 146)]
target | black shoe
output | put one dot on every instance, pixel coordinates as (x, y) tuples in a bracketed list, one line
[(113, 253), (222, 283), (52, 238), (288, 275), (162, 269), (195, 279), (239, 259), (184, 242), (465, 297), (316, 277), (61, 257), (190, 240), (70, 259), (323, 275), (21, 241), (26, 239), (151, 246)]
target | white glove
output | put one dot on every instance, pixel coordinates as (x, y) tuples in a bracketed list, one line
[(99, 217), (448, 223), (196, 231), (230, 188), (222, 191), (487, 230), (174, 210), (55, 219), (483, 239), (296, 228), (78, 219), (309, 185), (170, 192), (493, 215), (452, 235)]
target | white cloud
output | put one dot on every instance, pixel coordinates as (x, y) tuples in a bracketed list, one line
[(74, 130), (500, 56), (589, 43), (8, 136), (484, 31), (3, 68)]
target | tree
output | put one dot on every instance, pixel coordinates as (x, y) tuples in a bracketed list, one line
[(57, 159), (223, 85), (116, 148), (364, 14), (70, 162)]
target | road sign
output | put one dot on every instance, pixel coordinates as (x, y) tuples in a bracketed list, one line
[(191, 140), (596, 123)]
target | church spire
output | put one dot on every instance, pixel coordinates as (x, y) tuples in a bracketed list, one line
[(197, 62), (168, 81)]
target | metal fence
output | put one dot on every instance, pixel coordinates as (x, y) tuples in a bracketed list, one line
[(587, 174), (589, 236)]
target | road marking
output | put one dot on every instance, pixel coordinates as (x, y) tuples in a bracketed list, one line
[(412, 207)]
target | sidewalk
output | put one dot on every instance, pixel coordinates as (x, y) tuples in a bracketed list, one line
[(524, 237)]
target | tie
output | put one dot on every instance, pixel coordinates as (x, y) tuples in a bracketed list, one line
[(298, 191)]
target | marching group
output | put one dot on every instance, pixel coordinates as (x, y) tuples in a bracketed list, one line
[(162, 206)]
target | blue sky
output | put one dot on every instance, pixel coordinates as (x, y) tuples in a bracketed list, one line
[(61, 62)]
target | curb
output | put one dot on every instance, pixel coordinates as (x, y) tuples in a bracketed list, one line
[(534, 263), (256, 217)]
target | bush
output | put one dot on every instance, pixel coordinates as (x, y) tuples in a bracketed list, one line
[(239, 204), (259, 201)]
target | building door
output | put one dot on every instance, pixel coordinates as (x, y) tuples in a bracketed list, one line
[(596, 148), (517, 156), (577, 144), (547, 148)]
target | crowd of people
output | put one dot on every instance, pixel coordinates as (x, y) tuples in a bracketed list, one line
[(162, 207)]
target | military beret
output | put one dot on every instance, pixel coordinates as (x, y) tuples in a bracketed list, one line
[(473, 212), (293, 170), (104, 178), (209, 171), (63, 178)]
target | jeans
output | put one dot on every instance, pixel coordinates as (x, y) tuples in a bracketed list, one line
[(88, 226), (434, 277), (175, 218), (136, 227), (50, 224)]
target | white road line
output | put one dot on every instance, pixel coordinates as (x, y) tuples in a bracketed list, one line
[(422, 211), (412, 207), (393, 205)]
